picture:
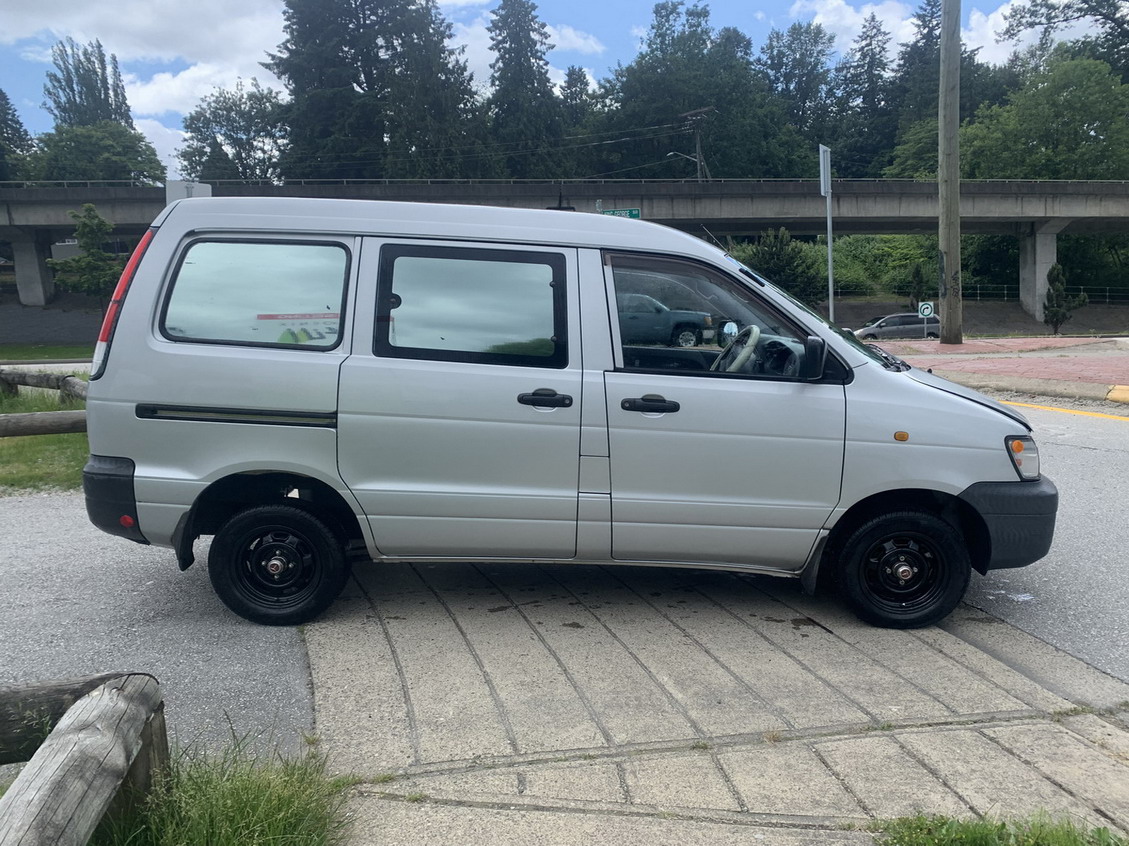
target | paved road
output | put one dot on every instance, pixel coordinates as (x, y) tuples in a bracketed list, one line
[(1076, 597), (76, 601)]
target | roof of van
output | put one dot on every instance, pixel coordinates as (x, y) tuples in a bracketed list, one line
[(430, 220)]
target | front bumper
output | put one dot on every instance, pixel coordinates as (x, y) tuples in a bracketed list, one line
[(1020, 517), (111, 503)]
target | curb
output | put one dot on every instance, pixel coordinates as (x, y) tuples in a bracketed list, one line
[(1041, 387)]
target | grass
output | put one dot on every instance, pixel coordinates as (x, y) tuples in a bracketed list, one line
[(1039, 830), (235, 798), (39, 352), (40, 462)]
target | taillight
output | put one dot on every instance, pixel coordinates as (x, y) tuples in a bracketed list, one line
[(110, 321)]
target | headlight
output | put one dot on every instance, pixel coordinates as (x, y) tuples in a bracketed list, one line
[(1024, 455)]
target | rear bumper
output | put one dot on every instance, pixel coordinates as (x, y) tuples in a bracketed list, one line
[(1020, 517), (111, 503)]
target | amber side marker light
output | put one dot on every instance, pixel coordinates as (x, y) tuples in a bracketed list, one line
[(901, 436)]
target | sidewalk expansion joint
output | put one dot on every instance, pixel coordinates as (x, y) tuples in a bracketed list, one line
[(726, 743), (842, 825)]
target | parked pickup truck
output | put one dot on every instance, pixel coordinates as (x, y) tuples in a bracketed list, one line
[(644, 320)]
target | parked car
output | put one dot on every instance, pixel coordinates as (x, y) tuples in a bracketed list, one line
[(644, 320), (907, 325), (319, 384)]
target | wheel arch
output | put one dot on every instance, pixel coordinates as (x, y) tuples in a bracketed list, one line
[(953, 510), (225, 497)]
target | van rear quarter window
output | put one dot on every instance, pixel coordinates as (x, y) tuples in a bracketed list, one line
[(487, 306), (260, 293)]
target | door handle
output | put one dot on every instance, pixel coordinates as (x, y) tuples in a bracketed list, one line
[(650, 403), (545, 398)]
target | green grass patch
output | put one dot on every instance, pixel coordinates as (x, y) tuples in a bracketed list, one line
[(39, 352), (40, 462), (236, 798), (1037, 831)]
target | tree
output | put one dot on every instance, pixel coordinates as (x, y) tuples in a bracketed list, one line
[(1110, 17), (686, 67), (104, 151), (866, 122), (1066, 123), (375, 90), (243, 124), (15, 143), (93, 271), (1058, 306), (790, 264), (797, 64), (85, 89), (525, 114)]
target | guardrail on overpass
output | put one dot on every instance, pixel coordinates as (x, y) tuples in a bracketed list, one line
[(31, 215)]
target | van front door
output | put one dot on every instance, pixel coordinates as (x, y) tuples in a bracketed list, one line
[(741, 463), (459, 417)]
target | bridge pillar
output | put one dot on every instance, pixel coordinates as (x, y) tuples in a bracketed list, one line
[(1038, 250), (34, 281)]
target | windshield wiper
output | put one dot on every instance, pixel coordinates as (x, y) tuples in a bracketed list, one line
[(890, 362)]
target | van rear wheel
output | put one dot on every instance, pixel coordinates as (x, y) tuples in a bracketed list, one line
[(277, 565), (904, 570)]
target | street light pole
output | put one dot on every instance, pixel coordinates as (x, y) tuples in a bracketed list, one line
[(948, 174)]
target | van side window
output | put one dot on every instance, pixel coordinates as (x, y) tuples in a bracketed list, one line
[(487, 306), (282, 294), (674, 315)]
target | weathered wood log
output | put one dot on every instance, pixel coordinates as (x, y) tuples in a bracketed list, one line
[(70, 782), (74, 387), (63, 382), (42, 423), (27, 712)]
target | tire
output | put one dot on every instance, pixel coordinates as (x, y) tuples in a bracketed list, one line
[(310, 559), (685, 336), (931, 335), (870, 337), (937, 576)]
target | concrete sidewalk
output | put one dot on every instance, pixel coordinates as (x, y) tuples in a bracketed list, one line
[(553, 704), (1085, 368)]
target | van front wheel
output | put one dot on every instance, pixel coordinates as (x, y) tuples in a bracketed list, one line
[(904, 570), (277, 565)]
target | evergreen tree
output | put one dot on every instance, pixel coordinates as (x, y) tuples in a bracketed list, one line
[(797, 65), (525, 115), (93, 271), (237, 132), (1058, 306), (685, 67), (15, 143), (85, 89), (866, 124), (374, 91)]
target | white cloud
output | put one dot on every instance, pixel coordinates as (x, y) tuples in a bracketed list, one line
[(475, 38), (565, 37), (165, 140), (160, 32), (845, 21)]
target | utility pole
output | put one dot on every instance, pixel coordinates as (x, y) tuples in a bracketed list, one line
[(825, 190), (948, 174)]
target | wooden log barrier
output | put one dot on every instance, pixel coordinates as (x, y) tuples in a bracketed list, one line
[(42, 423), (113, 736), (53, 381)]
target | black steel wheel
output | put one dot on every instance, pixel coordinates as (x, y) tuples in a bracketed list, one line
[(904, 570), (277, 564)]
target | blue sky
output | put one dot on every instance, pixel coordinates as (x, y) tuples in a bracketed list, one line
[(174, 53)]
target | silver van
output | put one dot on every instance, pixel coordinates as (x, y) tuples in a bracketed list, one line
[(321, 384), (907, 325)]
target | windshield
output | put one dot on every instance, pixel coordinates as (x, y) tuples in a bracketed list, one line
[(847, 335)]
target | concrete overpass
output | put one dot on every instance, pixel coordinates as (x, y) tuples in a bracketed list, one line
[(32, 217)]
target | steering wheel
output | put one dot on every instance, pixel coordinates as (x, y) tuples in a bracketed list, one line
[(779, 359), (735, 356)]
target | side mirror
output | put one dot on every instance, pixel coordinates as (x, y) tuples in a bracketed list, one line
[(815, 357), (728, 333)]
